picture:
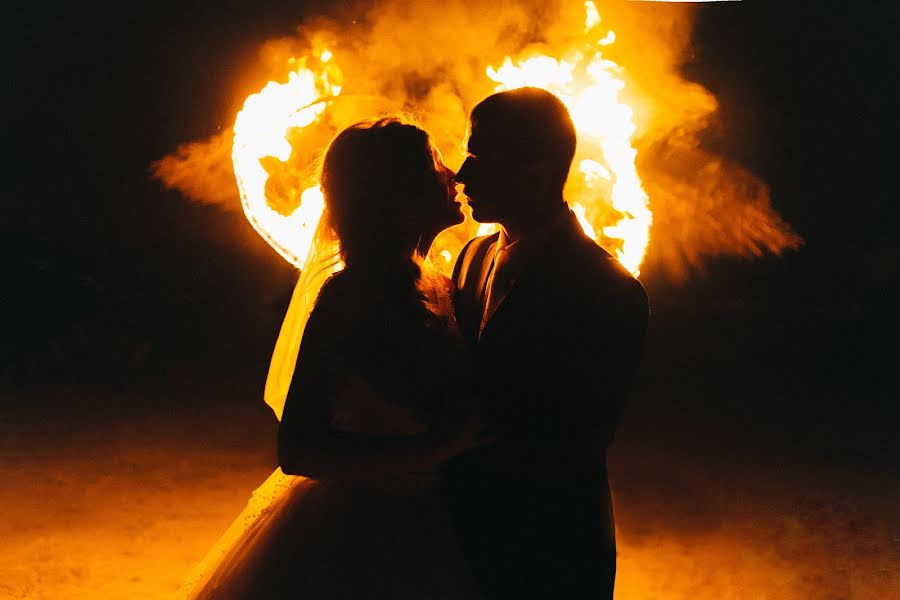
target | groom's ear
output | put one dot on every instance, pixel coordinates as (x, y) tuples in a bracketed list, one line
[(537, 178)]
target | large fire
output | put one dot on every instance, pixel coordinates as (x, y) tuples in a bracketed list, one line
[(641, 159), (605, 190)]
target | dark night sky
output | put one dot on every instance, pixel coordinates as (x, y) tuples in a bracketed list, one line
[(107, 276)]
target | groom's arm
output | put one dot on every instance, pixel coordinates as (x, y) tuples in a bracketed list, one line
[(606, 344)]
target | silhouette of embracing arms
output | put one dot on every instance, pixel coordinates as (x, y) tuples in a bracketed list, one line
[(353, 412)]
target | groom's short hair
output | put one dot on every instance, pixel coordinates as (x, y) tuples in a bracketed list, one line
[(531, 125)]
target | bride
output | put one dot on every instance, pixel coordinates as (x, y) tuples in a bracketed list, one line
[(375, 404)]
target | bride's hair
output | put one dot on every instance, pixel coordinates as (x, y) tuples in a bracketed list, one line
[(374, 175)]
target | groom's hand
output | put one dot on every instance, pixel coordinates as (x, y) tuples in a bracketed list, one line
[(466, 435)]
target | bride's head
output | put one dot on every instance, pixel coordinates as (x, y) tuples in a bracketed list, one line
[(387, 192)]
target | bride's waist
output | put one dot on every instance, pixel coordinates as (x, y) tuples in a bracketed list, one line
[(401, 485), (375, 418)]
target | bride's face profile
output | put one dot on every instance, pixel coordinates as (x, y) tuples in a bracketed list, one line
[(386, 190), (440, 208)]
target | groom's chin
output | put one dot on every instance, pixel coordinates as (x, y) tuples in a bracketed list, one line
[(455, 216), (480, 216)]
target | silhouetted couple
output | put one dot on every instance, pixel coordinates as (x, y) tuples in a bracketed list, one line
[(451, 433)]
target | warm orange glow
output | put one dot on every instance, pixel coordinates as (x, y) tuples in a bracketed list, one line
[(605, 190), (260, 130), (589, 85), (640, 123)]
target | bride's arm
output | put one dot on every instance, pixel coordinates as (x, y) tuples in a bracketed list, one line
[(309, 445)]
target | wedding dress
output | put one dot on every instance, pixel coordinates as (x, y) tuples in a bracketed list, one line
[(299, 538)]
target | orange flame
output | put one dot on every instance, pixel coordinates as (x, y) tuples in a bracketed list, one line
[(260, 131), (607, 197)]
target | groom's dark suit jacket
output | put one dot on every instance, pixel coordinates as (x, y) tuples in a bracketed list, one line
[(552, 368)]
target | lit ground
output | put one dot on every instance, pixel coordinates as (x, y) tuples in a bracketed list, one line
[(119, 503)]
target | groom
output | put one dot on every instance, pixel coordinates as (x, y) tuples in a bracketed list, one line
[(556, 326)]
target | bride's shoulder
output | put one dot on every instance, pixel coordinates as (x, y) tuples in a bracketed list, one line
[(341, 314), (343, 292), (354, 297)]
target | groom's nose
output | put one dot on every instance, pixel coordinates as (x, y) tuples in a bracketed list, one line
[(464, 170)]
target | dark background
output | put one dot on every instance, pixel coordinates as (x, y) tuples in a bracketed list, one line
[(109, 279)]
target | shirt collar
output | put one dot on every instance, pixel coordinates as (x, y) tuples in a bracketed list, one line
[(522, 250)]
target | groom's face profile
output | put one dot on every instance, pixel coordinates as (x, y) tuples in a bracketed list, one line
[(489, 179)]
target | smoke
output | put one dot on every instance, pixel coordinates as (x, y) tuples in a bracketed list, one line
[(429, 58), (202, 171), (704, 206)]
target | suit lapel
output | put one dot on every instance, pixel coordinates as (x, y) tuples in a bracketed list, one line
[(473, 273), (487, 264), (536, 283)]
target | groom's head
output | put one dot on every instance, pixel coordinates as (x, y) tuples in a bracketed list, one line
[(521, 146)]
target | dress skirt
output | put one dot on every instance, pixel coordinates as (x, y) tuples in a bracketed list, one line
[(303, 539)]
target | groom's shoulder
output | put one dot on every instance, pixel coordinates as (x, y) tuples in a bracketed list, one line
[(601, 271), (593, 262)]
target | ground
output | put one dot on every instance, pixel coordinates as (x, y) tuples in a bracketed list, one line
[(117, 493)]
